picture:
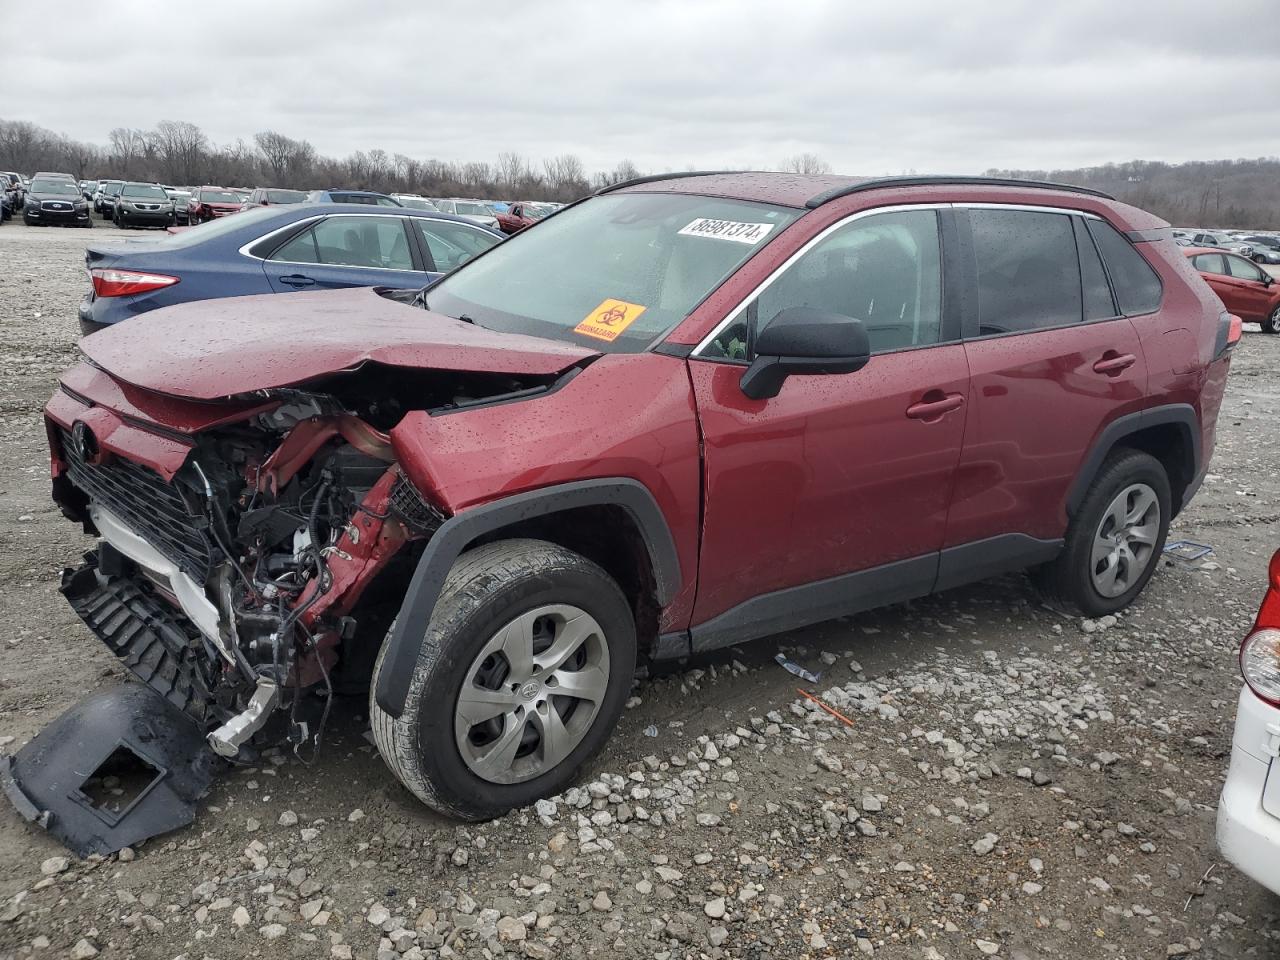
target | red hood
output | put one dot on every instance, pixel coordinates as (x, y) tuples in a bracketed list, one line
[(212, 349)]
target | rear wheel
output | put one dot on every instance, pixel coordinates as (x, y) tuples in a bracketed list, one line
[(1272, 323), (1115, 538), (522, 674)]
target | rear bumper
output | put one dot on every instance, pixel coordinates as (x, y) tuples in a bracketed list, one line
[(1248, 835)]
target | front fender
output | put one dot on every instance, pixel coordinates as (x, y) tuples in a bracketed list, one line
[(453, 536)]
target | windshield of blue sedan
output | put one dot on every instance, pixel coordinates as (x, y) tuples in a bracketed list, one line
[(613, 273), (58, 188)]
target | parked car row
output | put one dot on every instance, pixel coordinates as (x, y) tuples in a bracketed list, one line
[(182, 206), (1258, 247)]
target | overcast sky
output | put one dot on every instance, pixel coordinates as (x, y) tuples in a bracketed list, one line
[(956, 86)]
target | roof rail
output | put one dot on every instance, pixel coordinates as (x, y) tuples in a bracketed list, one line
[(876, 183), (655, 177)]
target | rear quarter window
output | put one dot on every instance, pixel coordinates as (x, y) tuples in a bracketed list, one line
[(1136, 285)]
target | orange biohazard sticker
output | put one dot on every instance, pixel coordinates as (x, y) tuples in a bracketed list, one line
[(609, 319)]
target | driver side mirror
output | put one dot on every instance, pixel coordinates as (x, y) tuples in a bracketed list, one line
[(800, 341)]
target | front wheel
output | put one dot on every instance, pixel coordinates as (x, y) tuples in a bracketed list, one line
[(522, 674), (1116, 537), (1272, 323)]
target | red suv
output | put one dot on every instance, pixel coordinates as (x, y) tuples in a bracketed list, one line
[(209, 203), (1247, 290), (702, 409)]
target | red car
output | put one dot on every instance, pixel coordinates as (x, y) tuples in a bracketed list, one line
[(1247, 290), (208, 203), (705, 408), (521, 215)]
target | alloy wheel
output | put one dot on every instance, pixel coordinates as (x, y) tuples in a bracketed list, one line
[(1124, 543), (1272, 324), (531, 694)]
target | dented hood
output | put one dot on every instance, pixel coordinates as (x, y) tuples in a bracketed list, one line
[(212, 349)]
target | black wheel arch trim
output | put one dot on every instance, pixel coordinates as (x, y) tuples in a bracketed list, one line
[(1182, 415), (453, 536)]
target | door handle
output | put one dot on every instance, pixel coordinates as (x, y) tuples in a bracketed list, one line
[(297, 280), (934, 405), (1114, 362)]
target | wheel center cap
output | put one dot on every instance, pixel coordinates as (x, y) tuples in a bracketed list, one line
[(530, 690)]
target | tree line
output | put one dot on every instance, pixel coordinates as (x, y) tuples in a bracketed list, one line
[(178, 152), (1228, 193), (1242, 194)]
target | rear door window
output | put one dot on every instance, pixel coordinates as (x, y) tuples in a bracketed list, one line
[(1028, 270), (351, 242), (1136, 284), (452, 244)]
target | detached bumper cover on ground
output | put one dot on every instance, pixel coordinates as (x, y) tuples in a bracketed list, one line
[(156, 752)]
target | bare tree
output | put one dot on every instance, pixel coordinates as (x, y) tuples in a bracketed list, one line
[(566, 177), (180, 146), (807, 163), (128, 149), (287, 161)]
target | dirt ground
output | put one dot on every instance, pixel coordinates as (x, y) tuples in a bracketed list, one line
[(1015, 782)]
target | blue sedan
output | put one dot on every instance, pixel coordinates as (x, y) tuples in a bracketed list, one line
[(276, 250)]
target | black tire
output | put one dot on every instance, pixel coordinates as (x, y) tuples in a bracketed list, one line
[(1272, 323), (1069, 579), (486, 589)]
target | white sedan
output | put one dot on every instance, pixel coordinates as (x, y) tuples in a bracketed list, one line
[(1249, 812)]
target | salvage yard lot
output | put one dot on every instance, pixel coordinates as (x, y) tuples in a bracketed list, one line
[(1016, 782)]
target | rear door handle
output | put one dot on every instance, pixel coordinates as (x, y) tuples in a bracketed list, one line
[(935, 404), (297, 280), (1114, 363)]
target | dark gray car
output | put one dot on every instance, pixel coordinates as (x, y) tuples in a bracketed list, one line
[(143, 205)]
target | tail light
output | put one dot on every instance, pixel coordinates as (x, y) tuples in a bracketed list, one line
[(1230, 329), (1260, 652), (122, 283)]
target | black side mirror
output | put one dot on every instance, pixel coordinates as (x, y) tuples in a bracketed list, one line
[(801, 340), (1267, 279)]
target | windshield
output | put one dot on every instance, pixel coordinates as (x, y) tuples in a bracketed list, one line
[(218, 196), (613, 273), (144, 191), (417, 203), (285, 196), (473, 209), (59, 188)]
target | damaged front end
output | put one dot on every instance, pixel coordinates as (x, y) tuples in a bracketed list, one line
[(239, 570)]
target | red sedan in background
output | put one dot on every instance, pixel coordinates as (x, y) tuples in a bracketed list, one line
[(1246, 289)]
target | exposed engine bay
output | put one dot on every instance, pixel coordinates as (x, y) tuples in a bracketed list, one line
[(233, 589)]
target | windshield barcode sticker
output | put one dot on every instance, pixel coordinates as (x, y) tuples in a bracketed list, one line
[(748, 233)]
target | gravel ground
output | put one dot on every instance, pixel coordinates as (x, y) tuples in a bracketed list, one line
[(1014, 782)]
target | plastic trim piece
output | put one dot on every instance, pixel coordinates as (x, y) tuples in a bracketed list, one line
[(659, 177), (982, 559), (809, 603), (458, 531), (880, 183), (1183, 415)]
